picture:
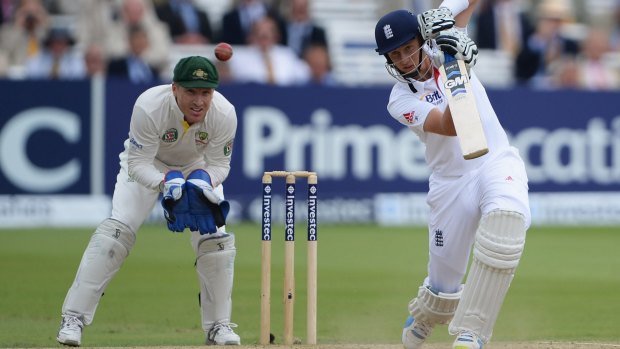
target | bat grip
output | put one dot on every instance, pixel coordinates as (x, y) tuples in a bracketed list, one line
[(448, 57)]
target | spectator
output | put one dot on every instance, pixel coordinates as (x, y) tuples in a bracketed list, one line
[(565, 74), (107, 22), (301, 31), (133, 66), (237, 22), (502, 25), (615, 29), (594, 72), (187, 24), (58, 59), (265, 61), (60, 7), (7, 7), (95, 61), (317, 58), (546, 45), (22, 38)]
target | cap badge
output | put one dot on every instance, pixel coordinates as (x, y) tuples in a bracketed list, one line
[(200, 74)]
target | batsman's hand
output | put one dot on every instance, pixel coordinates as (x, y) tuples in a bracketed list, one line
[(207, 209), (174, 203), (457, 44), (434, 21)]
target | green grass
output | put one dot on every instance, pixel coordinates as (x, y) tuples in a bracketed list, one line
[(566, 288)]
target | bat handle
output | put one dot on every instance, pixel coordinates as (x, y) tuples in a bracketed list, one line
[(448, 57)]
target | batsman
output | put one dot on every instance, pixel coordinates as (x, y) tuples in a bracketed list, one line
[(179, 148), (479, 205)]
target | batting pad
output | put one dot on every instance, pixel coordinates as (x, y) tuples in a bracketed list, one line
[(435, 308), (215, 266), (497, 250)]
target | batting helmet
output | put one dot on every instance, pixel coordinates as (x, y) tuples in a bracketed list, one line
[(394, 29)]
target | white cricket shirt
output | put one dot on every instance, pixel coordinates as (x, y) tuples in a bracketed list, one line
[(160, 139), (443, 154)]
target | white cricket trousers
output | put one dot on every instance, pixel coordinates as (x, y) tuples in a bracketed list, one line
[(456, 206)]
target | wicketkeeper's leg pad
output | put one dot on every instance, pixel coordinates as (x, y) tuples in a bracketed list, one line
[(215, 267), (434, 307), (108, 248), (497, 250)]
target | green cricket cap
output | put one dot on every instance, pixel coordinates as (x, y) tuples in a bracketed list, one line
[(195, 72)]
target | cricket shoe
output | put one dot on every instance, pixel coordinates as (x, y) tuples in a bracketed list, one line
[(415, 333), (467, 340), (223, 334), (70, 332)]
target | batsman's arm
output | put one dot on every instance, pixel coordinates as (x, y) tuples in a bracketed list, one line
[(440, 122), (462, 10), (421, 115)]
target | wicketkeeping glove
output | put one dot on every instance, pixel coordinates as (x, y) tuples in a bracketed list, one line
[(208, 211), (174, 202), (433, 21), (457, 44)]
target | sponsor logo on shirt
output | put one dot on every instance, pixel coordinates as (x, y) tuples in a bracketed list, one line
[(171, 135), (433, 97), (410, 117), (135, 143)]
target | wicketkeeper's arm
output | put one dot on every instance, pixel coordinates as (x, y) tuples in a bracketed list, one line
[(142, 148)]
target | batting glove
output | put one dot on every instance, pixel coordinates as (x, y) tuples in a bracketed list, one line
[(457, 44), (433, 21), (174, 203)]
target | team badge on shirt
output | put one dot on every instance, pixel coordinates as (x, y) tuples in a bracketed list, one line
[(228, 148), (171, 135), (202, 137)]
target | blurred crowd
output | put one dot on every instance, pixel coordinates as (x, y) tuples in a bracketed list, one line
[(132, 39), (557, 43), (545, 43)]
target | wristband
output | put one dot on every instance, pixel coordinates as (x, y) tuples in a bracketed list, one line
[(455, 6)]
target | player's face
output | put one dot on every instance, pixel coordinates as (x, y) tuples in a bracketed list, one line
[(411, 61), (193, 102)]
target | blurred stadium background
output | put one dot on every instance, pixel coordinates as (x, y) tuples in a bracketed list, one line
[(60, 139)]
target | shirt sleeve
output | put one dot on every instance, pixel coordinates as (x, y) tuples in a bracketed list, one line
[(143, 146), (219, 150), (410, 111)]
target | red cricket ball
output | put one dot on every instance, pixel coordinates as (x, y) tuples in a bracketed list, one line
[(223, 51)]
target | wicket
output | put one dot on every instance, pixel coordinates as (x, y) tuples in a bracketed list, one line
[(289, 256)]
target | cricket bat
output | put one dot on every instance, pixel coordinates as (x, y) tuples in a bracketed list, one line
[(462, 104)]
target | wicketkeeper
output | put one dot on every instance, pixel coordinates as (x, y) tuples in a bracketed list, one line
[(480, 204), (179, 147)]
